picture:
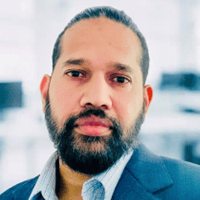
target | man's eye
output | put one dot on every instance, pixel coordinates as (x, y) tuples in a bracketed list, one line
[(75, 73), (120, 79)]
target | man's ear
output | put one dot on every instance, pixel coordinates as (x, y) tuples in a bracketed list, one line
[(44, 88), (148, 95)]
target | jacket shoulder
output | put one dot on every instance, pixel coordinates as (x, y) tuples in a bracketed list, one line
[(186, 180), (20, 191), (182, 171), (166, 178)]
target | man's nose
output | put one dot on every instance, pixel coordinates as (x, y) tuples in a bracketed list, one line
[(97, 93)]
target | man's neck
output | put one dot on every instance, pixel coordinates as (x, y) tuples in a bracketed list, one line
[(69, 183)]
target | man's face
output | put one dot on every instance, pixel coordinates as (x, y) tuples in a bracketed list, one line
[(98, 75)]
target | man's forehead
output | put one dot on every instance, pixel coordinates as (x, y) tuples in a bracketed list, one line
[(100, 24), (108, 35)]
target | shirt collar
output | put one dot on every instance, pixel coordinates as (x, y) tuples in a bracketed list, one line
[(111, 176), (46, 183)]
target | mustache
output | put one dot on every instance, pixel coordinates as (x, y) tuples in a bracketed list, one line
[(71, 122), (88, 112)]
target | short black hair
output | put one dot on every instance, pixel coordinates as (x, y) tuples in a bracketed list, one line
[(115, 15)]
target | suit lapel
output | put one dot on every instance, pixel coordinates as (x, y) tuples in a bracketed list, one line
[(144, 174), (129, 188)]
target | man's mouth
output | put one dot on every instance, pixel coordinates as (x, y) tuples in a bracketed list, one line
[(93, 126)]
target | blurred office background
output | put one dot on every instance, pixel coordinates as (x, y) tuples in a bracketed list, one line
[(28, 31)]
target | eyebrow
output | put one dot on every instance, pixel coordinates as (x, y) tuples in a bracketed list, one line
[(123, 67), (73, 62), (116, 65)]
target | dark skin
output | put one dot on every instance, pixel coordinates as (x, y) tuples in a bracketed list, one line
[(100, 43), (69, 183)]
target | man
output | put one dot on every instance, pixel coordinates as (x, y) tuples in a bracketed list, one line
[(94, 104)]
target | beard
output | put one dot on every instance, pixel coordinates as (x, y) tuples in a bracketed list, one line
[(91, 155)]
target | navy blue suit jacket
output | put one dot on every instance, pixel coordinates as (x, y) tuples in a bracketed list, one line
[(145, 177)]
